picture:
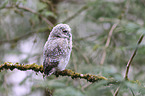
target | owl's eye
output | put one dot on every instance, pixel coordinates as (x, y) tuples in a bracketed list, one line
[(64, 31)]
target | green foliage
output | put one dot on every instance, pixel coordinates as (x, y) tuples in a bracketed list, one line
[(103, 8), (23, 33), (69, 91)]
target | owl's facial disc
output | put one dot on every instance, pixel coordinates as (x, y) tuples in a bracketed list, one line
[(66, 33), (61, 31), (62, 34)]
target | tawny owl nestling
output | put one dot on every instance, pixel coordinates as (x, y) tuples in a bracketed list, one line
[(57, 49)]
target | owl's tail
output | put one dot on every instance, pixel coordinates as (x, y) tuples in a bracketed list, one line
[(49, 68), (48, 72)]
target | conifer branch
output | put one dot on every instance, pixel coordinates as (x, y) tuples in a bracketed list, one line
[(132, 57), (107, 43), (76, 14), (129, 63)]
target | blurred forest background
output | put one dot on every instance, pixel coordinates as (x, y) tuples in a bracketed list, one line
[(105, 34)]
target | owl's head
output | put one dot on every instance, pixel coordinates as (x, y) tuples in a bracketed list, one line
[(61, 31)]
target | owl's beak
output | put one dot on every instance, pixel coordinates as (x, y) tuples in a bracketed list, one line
[(69, 34)]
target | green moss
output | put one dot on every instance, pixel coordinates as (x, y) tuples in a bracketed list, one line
[(66, 72)]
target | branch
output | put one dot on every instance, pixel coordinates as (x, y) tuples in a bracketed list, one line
[(66, 72), (107, 43), (76, 14), (116, 92), (129, 63), (39, 68), (45, 19), (132, 57), (31, 11), (86, 37), (25, 35)]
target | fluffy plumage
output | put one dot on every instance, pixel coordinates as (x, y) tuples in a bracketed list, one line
[(57, 49)]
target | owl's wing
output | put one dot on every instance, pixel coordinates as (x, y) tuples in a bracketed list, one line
[(52, 53)]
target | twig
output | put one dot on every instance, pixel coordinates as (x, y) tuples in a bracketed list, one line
[(107, 43), (86, 37), (76, 14), (49, 3), (31, 11), (129, 62), (132, 92), (121, 16), (25, 35), (132, 57), (85, 86), (116, 92), (83, 55)]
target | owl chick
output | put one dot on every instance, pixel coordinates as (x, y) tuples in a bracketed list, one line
[(57, 49)]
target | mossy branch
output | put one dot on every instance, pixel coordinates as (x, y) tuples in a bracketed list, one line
[(39, 68), (66, 72)]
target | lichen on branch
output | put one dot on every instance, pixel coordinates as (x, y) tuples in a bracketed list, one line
[(39, 68), (22, 67)]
